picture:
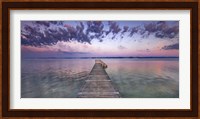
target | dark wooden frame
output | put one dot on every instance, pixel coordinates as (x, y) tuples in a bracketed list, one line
[(7, 112)]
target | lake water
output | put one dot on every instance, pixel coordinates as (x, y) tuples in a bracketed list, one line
[(134, 78)]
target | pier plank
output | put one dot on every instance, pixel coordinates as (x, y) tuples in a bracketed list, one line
[(98, 84)]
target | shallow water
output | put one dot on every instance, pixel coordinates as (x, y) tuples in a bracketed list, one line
[(145, 78), (134, 78)]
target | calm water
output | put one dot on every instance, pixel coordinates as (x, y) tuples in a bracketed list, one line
[(134, 78)]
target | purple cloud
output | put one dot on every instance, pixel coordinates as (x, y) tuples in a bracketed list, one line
[(41, 33), (171, 47)]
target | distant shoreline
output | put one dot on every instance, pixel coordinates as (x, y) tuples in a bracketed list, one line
[(98, 57)]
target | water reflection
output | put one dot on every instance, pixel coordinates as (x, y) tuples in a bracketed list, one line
[(147, 78), (53, 78), (134, 78)]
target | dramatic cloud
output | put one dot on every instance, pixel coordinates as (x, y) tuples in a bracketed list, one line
[(161, 30), (113, 28), (48, 23), (125, 29), (133, 30), (171, 47), (45, 23), (34, 36), (95, 29), (48, 33)]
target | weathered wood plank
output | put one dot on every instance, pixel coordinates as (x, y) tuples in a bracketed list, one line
[(98, 84)]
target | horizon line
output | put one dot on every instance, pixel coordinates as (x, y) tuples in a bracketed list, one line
[(99, 57)]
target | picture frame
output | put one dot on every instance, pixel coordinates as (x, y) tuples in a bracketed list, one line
[(7, 112)]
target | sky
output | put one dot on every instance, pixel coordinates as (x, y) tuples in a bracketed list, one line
[(99, 39)]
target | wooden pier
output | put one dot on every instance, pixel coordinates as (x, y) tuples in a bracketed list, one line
[(98, 84)]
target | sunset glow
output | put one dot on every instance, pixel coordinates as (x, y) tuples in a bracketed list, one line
[(99, 39)]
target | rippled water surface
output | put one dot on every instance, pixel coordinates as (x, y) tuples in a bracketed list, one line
[(134, 78)]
